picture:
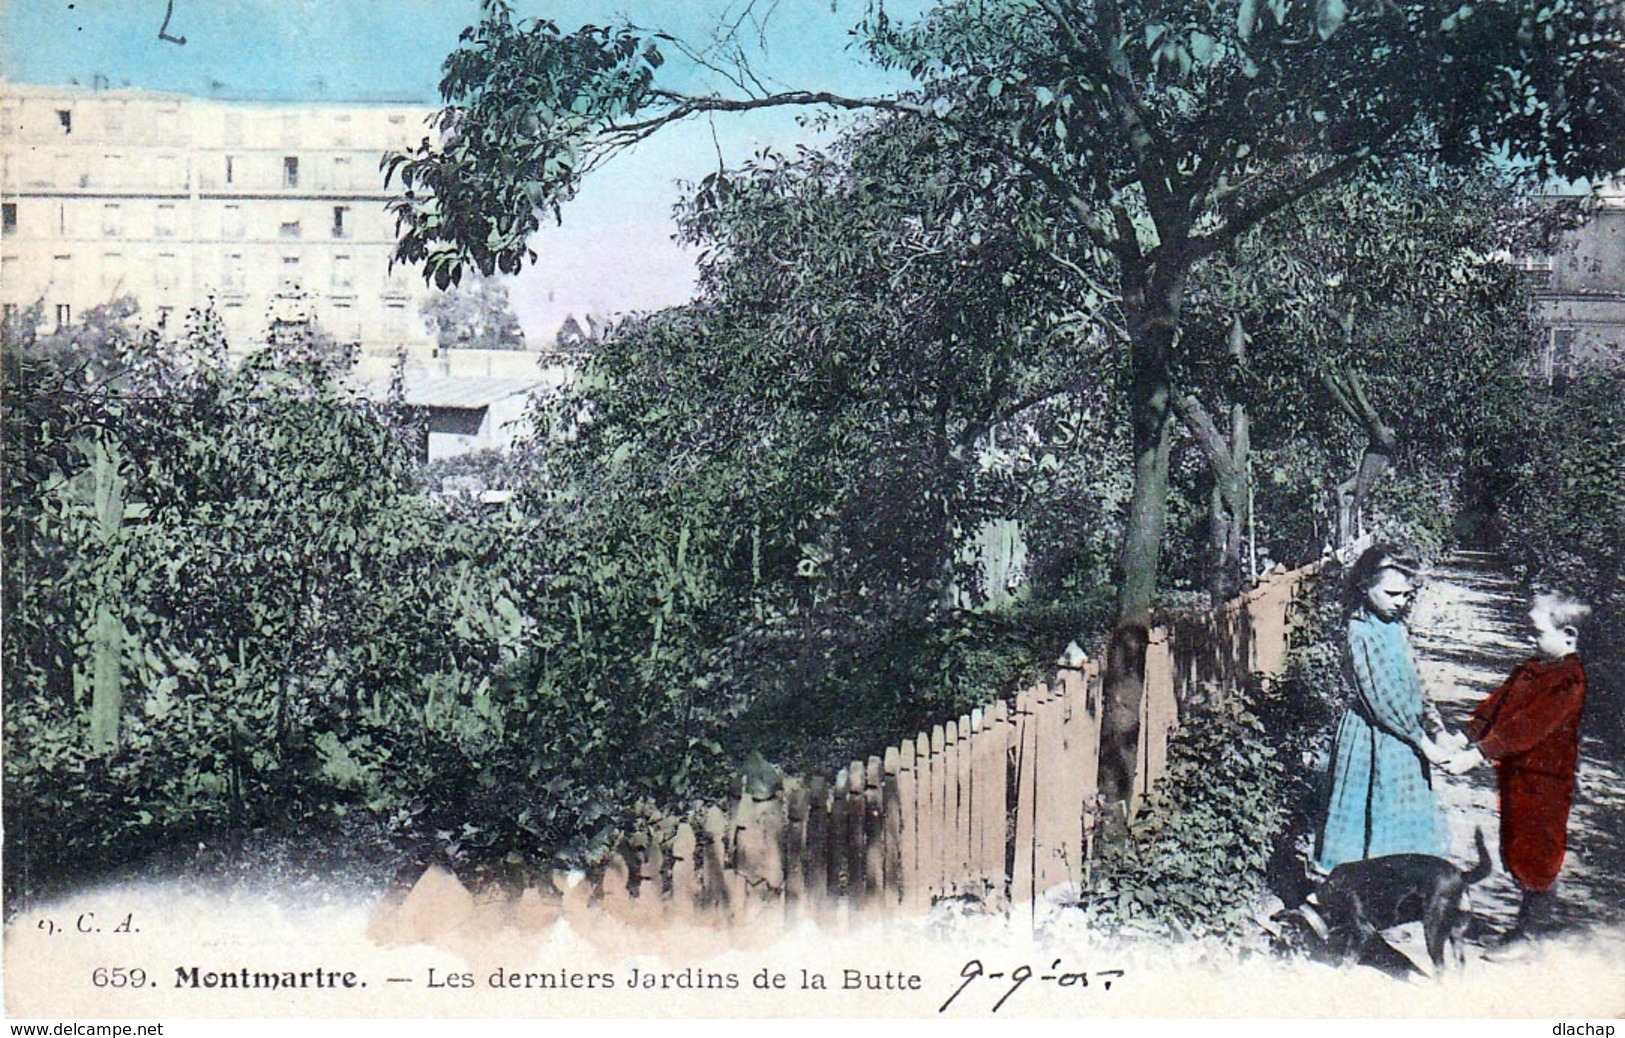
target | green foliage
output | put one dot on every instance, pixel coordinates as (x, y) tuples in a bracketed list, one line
[(284, 599), (474, 316), (1400, 285), (1563, 514), (853, 396), (528, 96), (1194, 862), (1209, 95), (1232, 820)]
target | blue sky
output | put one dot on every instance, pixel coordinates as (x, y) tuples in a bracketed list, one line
[(614, 251)]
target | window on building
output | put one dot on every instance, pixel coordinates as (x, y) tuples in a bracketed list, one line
[(163, 315), (8, 121), (341, 222), (167, 271), (65, 117), (394, 318), (230, 168), (112, 220), (290, 171), (8, 217), (113, 170), (64, 316), (344, 320), (234, 128), (113, 117), (231, 222), (12, 310), (231, 274), (289, 229), (341, 173), (290, 129), (341, 130), (62, 275), (343, 274), (170, 175), (62, 219), (165, 225), (112, 269)]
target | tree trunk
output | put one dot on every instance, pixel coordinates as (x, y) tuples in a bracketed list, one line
[(1228, 512), (1152, 328), (1381, 442), (107, 634)]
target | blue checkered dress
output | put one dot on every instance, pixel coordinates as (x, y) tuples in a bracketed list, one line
[(1381, 799)]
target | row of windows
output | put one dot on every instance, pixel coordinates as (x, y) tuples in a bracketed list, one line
[(342, 318), (113, 119), (233, 223), (167, 173), (165, 270)]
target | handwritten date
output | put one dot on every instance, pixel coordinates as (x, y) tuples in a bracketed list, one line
[(1014, 979)]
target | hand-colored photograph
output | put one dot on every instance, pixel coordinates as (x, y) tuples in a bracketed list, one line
[(952, 510)]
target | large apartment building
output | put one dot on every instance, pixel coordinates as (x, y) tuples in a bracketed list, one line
[(175, 200)]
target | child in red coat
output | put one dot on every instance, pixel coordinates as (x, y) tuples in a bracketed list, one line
[(1530, 728)]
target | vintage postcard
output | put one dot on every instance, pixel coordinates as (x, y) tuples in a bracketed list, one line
[(954, 510)]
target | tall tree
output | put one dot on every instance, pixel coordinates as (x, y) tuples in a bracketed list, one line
[(1153, 132)]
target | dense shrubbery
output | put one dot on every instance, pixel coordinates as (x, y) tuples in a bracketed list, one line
[(1232, 819), (292, 622), (1562, 517), (307, 637)]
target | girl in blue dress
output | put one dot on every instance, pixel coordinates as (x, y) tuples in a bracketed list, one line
[(1382, 799)]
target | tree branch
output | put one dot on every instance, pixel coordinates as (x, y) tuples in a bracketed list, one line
[(683, 106), (1251, 216), (1202, 428)]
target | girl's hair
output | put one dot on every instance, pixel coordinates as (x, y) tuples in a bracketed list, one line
[(1561, 610), (1367, 570)]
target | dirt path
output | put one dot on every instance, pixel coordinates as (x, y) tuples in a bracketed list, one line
[(1469, 630)]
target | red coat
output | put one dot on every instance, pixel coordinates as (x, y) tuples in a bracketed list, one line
[(1530, 727)]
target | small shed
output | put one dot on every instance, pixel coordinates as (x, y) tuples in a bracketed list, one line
[(466, 414)]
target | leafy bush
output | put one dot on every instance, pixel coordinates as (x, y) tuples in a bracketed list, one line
[(1230, 819), (241, 550), (1562, 518), (1194, 861)]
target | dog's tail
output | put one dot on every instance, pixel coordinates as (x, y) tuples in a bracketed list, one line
[(1482, 869)]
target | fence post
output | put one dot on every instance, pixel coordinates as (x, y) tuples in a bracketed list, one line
[(793, 849), (815, 861), (874, 852), (856, 883), (891, 822), (908, 802), (1021, 876), (1158, 714)]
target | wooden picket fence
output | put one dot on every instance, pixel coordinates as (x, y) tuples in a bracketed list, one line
[(996, 807)]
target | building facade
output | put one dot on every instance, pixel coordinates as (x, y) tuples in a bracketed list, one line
[(1580, 290), (177, 200)]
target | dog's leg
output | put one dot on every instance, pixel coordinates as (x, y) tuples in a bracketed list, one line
[(1373, 949)]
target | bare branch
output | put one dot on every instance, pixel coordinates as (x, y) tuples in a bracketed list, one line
[(682, 106)]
